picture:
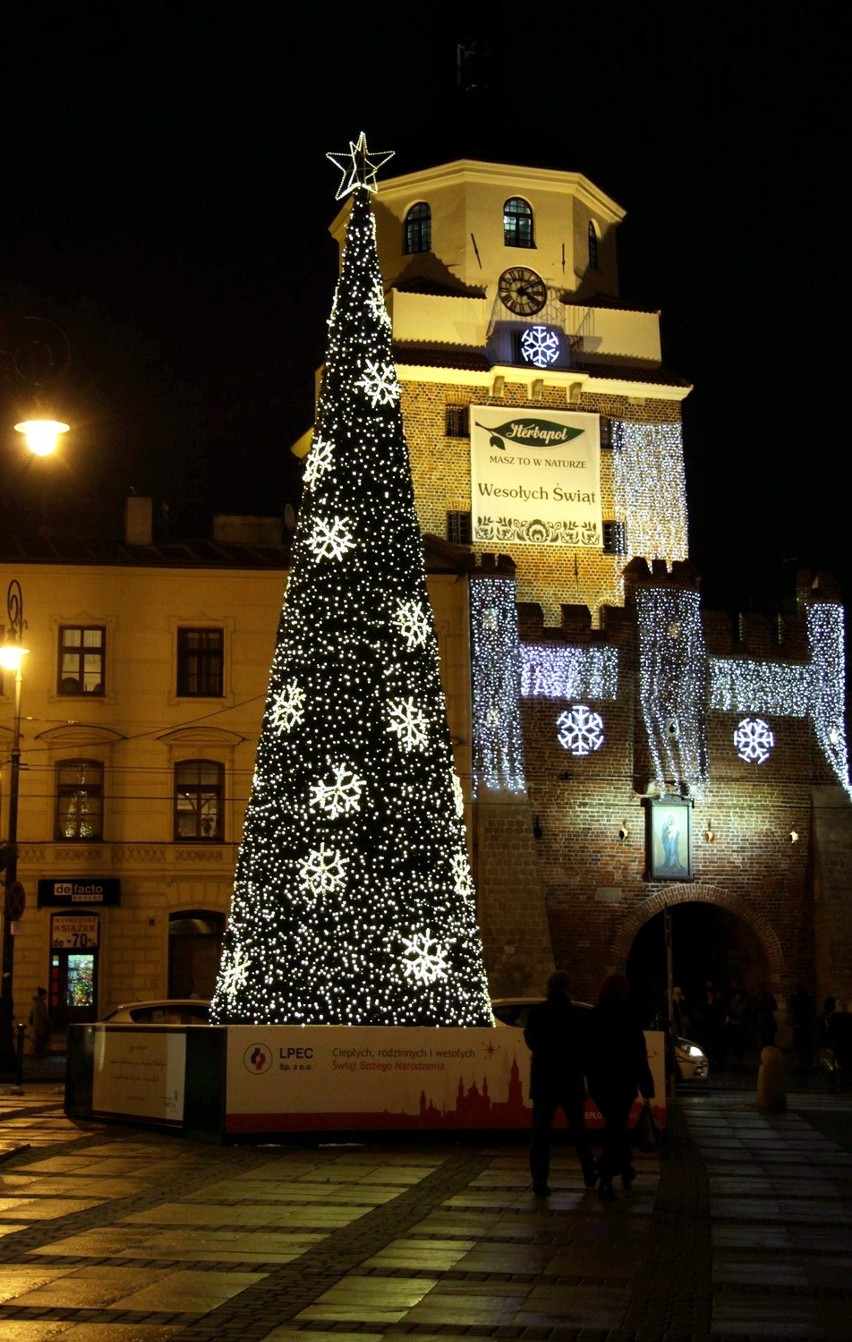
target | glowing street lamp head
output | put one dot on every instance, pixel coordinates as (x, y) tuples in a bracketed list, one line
[(12, 656), (42, 435)]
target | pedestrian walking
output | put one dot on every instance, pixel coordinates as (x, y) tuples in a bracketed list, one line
[(40, 1021), (617, 1069), (556, 1034), (803, 1014)]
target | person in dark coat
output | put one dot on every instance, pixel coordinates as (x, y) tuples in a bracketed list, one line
[(617, 1069), (555, 1033)]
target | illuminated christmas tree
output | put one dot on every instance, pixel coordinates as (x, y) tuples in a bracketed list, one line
[(353, 900)]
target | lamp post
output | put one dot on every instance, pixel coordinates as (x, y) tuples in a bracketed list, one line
[(12, 654)]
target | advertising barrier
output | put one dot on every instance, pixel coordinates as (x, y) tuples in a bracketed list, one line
[(242, 1083)]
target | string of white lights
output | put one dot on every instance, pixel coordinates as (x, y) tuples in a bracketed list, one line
[(825, 621), (553, 672), (672, 686), (649, 490), (742, 685), (498, 756)]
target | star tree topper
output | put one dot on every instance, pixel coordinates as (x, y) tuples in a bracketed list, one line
[(359, 166)]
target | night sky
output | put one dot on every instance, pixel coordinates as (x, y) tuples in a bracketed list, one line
[(166, 198)]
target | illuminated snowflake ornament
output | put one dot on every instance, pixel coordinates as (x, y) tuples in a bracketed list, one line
[(379, 382), (462, 879), (341, 795), (580, 730), (424, 957), (413, 623), (319, 460), (540, 346), (288, 708), (458, 795), (322, 872), (409, 723), (330, 540), (754, 740), (376, 304), (233, 970)]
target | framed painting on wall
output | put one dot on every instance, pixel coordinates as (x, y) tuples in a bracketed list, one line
[(669, 839)]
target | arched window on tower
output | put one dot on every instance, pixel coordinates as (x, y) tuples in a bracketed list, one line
[(517, 223), (594, 257), (418, 229)]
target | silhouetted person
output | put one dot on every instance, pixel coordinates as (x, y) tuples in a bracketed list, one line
[(617, 1069), (557, 1033), (803, 1014)]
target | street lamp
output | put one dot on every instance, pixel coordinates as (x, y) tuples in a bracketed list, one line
[(34, 351), (12, 655)]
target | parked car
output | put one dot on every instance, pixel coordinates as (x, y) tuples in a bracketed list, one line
[(691, 1062), (163, 1011)]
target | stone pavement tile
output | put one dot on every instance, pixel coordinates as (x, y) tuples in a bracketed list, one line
[(745, 1209), (101, 1242), (733, 1236), (45, 1208), (574, 1306), (469, 1304), (368, 1300), (114, 1332), (771, 1269), (247, 1214), (233, 1190), (188, 1292), (590, 1262), (419, 1254), (88, 1287), (76, 1186), (287, 1333), (15, 1279), (506, 1259), (776, 1315)]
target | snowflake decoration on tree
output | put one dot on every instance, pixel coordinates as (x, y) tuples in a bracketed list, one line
[(489, 617), (580, 730), (539, 346), (330, 540), (341, 795), (379, 382), (319, 460), (754, 740), (458, 795), (409, 723), (376, 304), (322, 872), (462, 879), (424, 958), (288, 709), (233, 970), (412, 622)]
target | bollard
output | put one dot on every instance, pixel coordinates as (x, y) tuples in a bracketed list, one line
[(19, 1055), (771, 1083)]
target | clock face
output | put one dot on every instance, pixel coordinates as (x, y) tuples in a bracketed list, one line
[(522, 290)]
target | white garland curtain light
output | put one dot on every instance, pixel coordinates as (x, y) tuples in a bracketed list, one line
[(498, 755), (353, 899), (672, 686), (549, 672), (649, 490), (816, 690), (828, 685)]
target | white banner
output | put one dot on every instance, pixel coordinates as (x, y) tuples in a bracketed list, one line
[(535, 477), (332, 1077)]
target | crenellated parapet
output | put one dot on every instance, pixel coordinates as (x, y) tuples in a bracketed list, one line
[(685, 662)]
